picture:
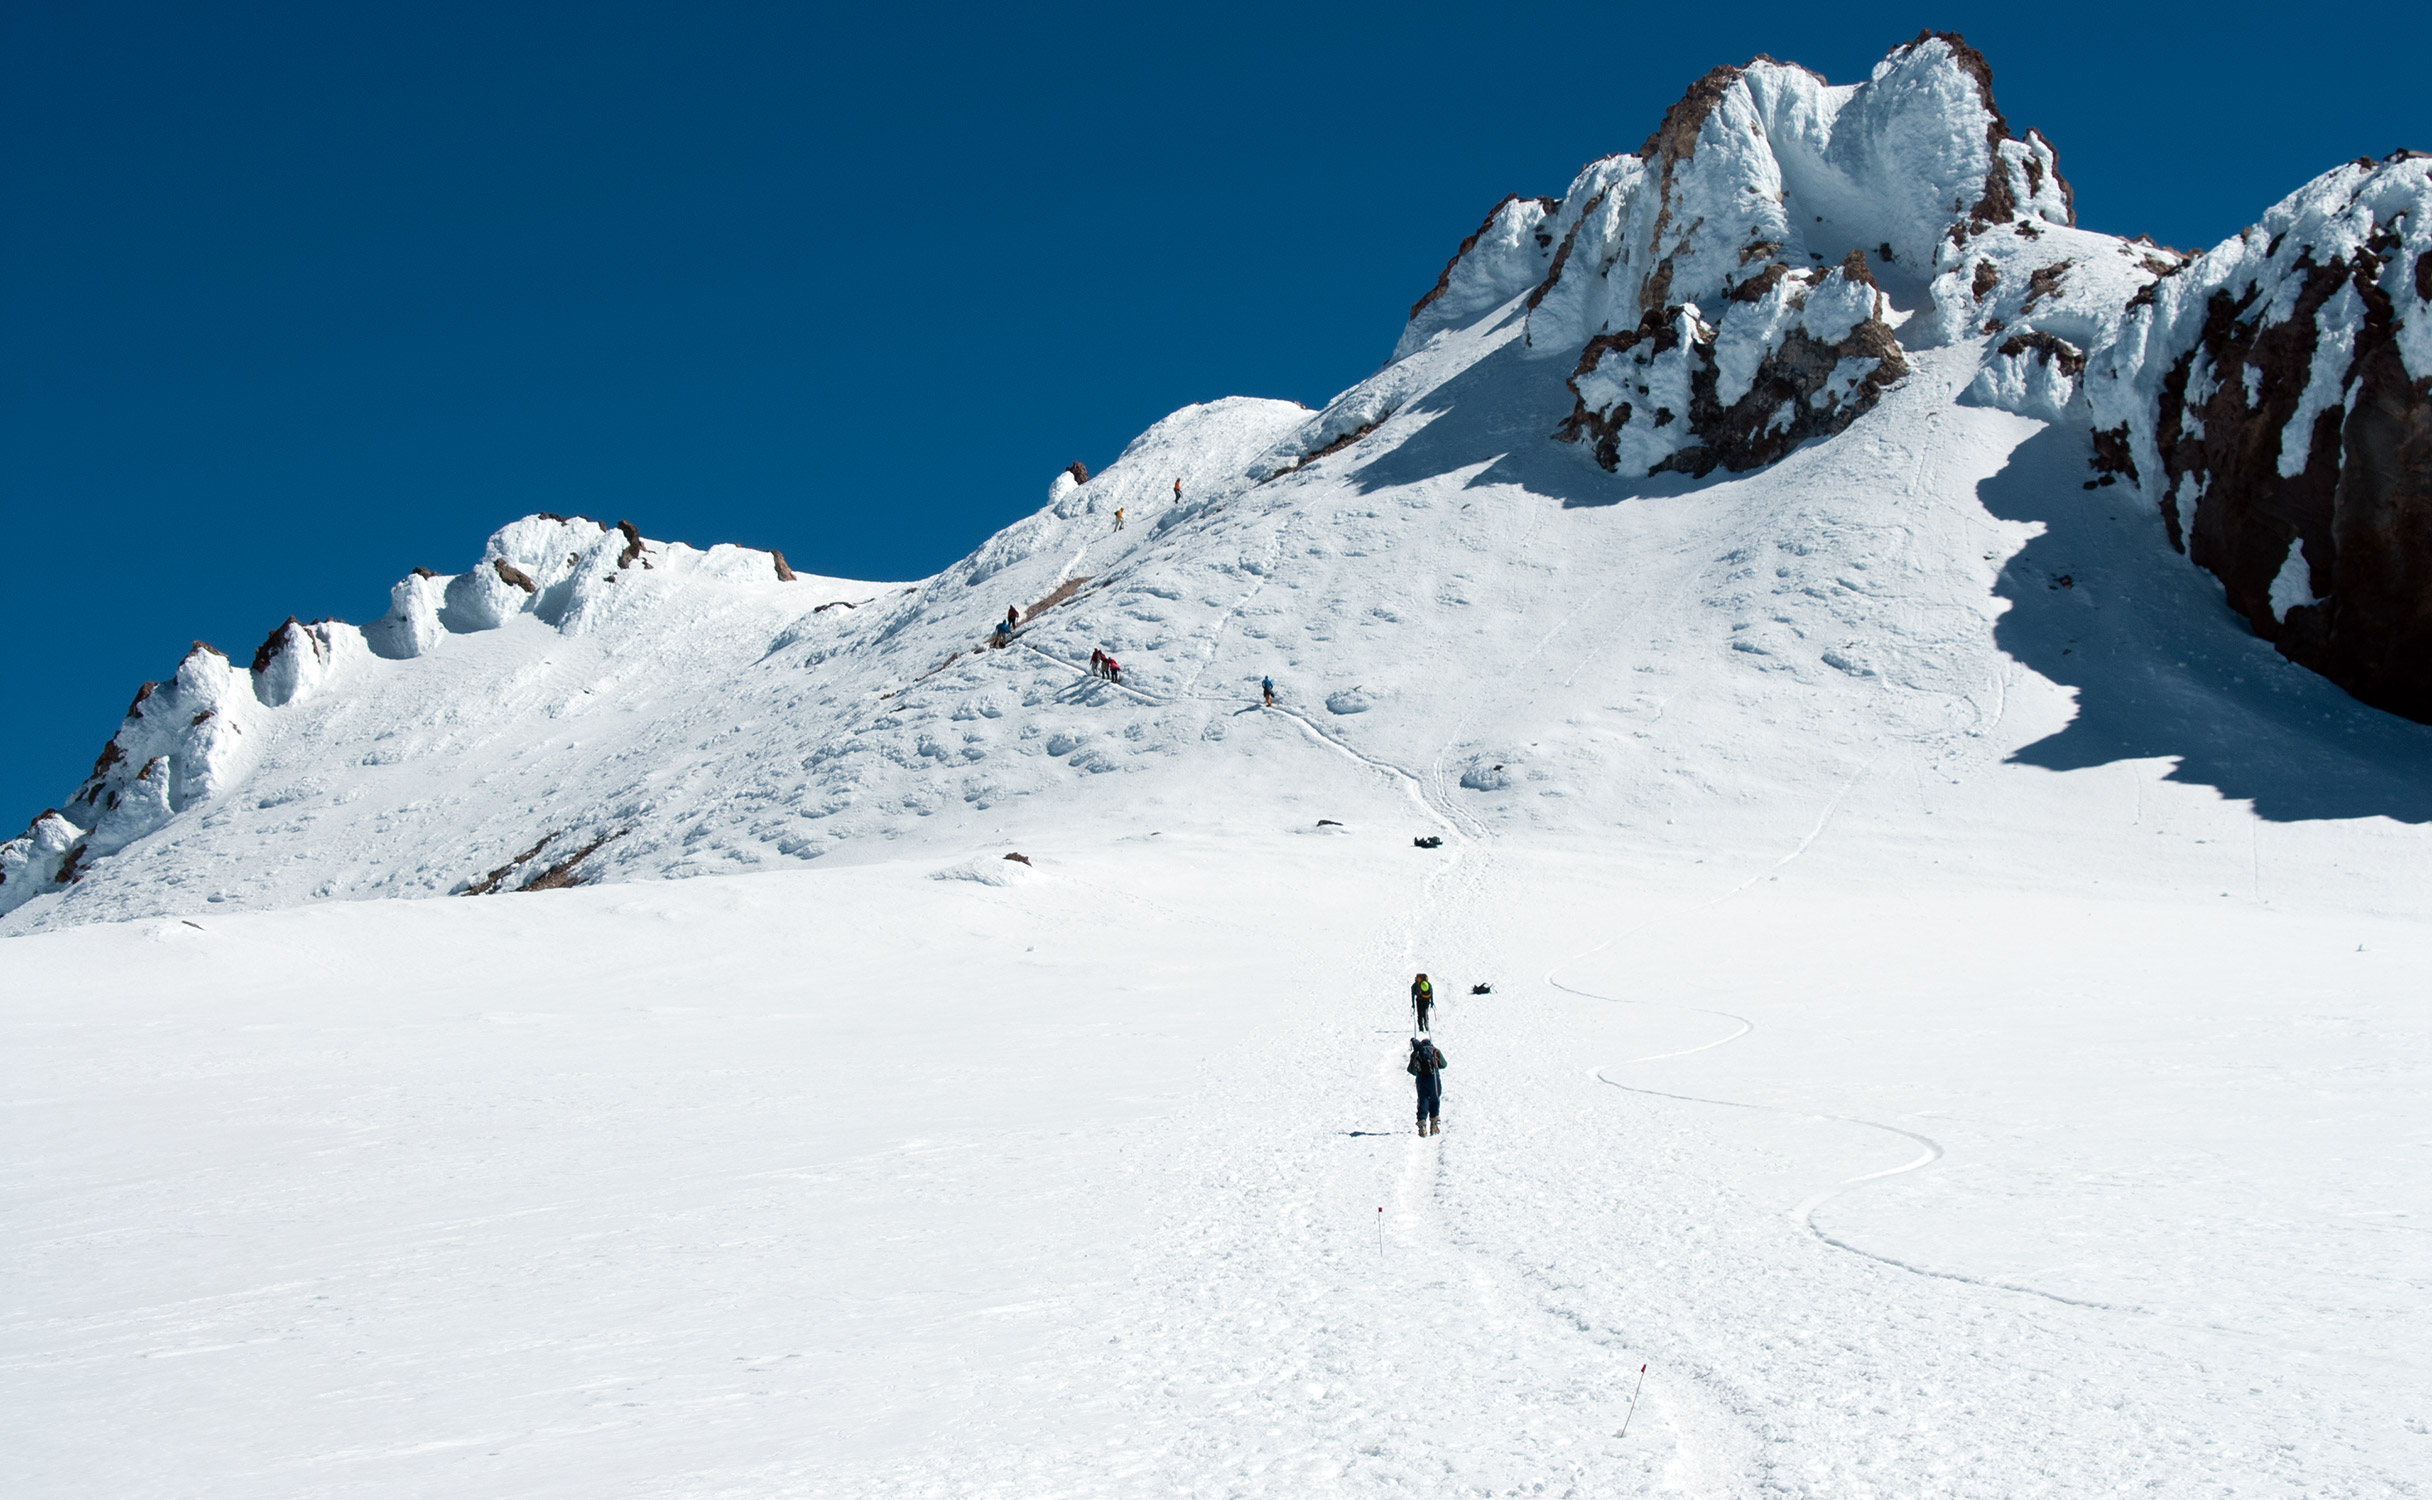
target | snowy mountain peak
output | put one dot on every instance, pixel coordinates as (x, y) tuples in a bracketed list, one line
[(1749, 279), (1731, 290), (1783, 261)]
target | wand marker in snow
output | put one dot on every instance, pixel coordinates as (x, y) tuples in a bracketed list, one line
[(1380, 1231), (1633, 1411)]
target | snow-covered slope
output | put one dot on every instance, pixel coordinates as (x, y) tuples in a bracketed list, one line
[(1953, 1014), (1781, 260)]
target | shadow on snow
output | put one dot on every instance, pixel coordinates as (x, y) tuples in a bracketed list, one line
[(2163, 667), (1509, 405)]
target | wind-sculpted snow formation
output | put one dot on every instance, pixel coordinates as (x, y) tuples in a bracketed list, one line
[(1723, 292), (1861, 288)]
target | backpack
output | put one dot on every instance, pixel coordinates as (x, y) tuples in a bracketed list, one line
[(1424, 1058)]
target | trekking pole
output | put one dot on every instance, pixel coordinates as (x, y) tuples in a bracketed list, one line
[(1633, 1411)]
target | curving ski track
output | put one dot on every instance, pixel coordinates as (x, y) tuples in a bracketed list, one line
[(1806, 1212)]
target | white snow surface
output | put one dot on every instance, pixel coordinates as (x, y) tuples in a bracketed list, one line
[(1955, 1011)]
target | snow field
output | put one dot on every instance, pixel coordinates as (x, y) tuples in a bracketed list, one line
[(1957, 1009), (713, 1189)]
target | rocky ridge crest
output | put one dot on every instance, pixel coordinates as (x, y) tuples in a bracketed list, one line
[(1749, 279)]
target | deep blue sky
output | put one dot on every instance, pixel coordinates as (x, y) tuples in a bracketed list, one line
[(295, 297)]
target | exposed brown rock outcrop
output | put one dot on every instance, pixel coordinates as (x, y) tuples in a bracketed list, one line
[(563, 875), (1675, 139), (509, 573), (1779, 411), (274, 643), (784, 573), (633, 545), (490, 882), (1078, 470), (1062, 592), (2058, 351), (1601, 429), (1562, 253), (1755, 287), (2042, 282), (2360, 509), (1336, 446)]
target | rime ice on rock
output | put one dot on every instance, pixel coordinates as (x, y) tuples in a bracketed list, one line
[(182, 741), (411, 626), (1732, 290), (1723, 291), (187, 740), (1729, 291), (2273, 400), (1505, 257)]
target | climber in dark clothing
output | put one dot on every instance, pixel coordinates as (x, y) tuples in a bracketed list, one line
[(1422, 1001), (1427, 1066)]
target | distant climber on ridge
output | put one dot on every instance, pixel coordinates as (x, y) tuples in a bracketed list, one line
[(1177, 492), (1422, 1001), (1118, 518), (1266, 686)]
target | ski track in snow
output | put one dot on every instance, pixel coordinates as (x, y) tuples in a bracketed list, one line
[(1805, 1212)]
